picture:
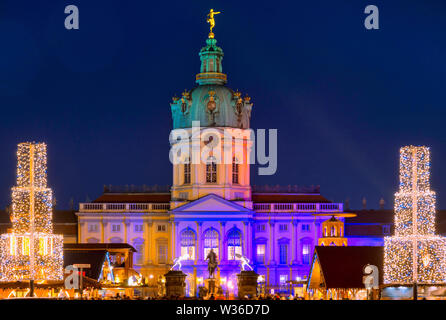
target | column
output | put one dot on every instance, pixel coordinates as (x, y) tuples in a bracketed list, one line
[(176, 244), (223, 250), (272, 241), (147, 242), (79, 232), (250, 240), (105, 233), (150, 243), (126, 231), (245, 238), (295, 223), (102, 231), (198, 253), (171, 243)]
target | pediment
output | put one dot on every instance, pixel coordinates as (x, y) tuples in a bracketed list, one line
[(211, 203)]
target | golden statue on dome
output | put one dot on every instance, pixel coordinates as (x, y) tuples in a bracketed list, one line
[(211, 21)]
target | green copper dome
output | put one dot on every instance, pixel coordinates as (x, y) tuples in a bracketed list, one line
[(211, 102)]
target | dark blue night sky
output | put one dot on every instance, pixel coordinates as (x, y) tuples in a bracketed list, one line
[(344, 99)]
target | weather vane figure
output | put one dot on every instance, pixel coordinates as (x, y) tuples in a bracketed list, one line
[(211, 21)]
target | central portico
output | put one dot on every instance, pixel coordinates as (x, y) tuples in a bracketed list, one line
[(212, 222)]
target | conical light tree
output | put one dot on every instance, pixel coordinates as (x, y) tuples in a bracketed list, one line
[(31, 251), (414, 255)]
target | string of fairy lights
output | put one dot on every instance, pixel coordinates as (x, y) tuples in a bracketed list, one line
[(415, 254), (31, 251)]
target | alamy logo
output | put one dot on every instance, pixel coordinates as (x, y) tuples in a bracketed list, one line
[(72, 277), (197, 145), (371, 277)]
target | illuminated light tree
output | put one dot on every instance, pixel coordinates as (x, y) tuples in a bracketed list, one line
[(31, 251), (414, 255)]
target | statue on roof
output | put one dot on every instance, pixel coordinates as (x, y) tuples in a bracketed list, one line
[(211, 21)]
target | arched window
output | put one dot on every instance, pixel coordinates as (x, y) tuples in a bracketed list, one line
[(92, 240), (235, 171), (333, 231), (211, 170), (186, 177), (116, 240), (210, 241), (187, 241), (234, 244)]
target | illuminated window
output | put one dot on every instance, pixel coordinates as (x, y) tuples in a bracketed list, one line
[(333, 231), (211, 170), (161, 228), (260, 253), (283, 278), (210, 241), (187, 240), (187, 171), (235, 171), (306, 253), (234, 244), (283, 253)]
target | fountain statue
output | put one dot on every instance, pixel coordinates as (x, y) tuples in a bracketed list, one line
[(177, 261), (246, 279), (244, 262)]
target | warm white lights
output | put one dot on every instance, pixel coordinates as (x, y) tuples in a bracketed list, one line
[(415, 254), (31, 251)]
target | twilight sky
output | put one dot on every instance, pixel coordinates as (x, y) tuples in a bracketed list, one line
[(344, 99)]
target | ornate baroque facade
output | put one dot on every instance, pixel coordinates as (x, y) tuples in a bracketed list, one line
[(212, 204)]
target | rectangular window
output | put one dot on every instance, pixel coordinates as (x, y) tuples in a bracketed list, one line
[(260, 253), (233, 251), (283, 250), (211, 172), (92, 227), (187, 173), (235, 171), (116, 227), (306, 253), (161, 228), (305, 227), (189, 250), (283, 227), (140, 253), (283, 278), (386, 229), (162, 253), (260, 227), (138, 227)]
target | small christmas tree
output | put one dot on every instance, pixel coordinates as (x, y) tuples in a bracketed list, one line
[(414, 255)]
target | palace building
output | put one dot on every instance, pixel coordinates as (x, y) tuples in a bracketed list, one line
[(211, 203)]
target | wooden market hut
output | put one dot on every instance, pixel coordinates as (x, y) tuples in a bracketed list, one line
[(337, 272)]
